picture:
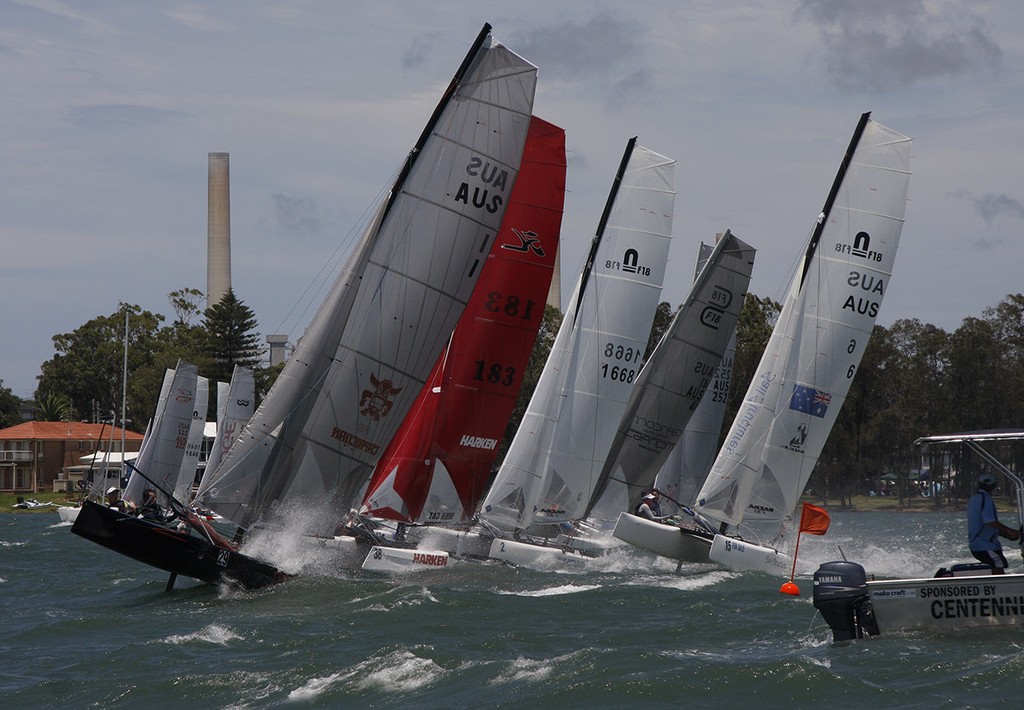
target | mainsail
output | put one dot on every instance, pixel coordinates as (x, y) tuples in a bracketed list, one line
[(686, 467), (816, 347), (672, 382), (236, 401), (557, 453), (436, 467), (355, 373), (162, 456)]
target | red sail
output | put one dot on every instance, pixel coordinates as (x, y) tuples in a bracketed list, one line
[(449, 440)]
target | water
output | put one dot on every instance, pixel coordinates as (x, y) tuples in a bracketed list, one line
[(84, 627)]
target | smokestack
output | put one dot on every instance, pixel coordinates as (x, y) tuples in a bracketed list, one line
[(218, 235)]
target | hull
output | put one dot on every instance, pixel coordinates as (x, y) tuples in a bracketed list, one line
[(171, 550), (395, 559), (950, 603), (666, 540), (67, 513), (742, 556), (524, 554), (854, 607)]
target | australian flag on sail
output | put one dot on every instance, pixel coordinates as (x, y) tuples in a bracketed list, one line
[(809, 400)]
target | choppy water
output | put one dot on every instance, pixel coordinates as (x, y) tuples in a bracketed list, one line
[(84, 627)]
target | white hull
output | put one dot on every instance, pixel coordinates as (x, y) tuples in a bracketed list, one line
[(662, 539), (524, 554), (457, 543), (67, 513), (394, 559), (745, 556), (948, 603)]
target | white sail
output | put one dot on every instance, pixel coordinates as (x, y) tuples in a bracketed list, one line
[(194, 443), (816, 347), (158, 464), (556, 456), (236, 401), (672, 382), (354, 374), (687, 466)]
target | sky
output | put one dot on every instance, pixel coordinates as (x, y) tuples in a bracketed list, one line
[(110, 109)]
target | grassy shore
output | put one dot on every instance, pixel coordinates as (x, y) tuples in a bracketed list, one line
[(885, 503), (7, 500)]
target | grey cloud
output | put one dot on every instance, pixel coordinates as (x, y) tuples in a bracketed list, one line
[(991, 206), (417, 52), (107, 116), (885, 44), (573, 50), (297, 215)]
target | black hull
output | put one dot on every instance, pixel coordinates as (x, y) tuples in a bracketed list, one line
[(171, 550)]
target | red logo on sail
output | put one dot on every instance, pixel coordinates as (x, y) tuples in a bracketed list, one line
[(377, 402)]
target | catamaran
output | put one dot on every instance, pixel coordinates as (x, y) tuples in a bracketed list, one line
[(432, 475), (805, 373), (556, 455), (314, 440)]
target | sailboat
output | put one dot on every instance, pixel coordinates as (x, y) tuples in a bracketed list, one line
[(314, 440), (556, 455), (809, 362), (672, 383), (436, 468)]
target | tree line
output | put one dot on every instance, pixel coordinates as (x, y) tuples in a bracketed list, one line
[(83, 381), (915, 379)]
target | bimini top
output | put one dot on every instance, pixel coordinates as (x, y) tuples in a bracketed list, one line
[(982, 435)]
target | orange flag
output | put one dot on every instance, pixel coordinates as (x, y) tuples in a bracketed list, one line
[(814, 520)]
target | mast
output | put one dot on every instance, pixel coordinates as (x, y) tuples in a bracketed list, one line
[(124, 381), (844, 165), (609, 203)]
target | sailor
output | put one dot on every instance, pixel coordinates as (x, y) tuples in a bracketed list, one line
[(649, 507), (151, 509), (984, 528), (115, 501)]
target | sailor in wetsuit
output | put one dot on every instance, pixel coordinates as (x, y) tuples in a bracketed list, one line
[(984, 528)]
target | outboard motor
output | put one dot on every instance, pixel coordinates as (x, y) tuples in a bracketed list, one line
[(841, 595)]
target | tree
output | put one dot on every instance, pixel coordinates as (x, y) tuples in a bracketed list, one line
[(187, 304), (55, 408), (89, 362), (9, 404), (231, 338), (662, 320)]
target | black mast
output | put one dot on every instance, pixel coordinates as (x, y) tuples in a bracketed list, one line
[(843, 167), (596, 242)]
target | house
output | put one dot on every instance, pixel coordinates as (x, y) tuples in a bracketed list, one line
[(34, 455)]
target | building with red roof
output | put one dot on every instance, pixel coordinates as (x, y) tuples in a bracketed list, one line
[(34, 455)]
